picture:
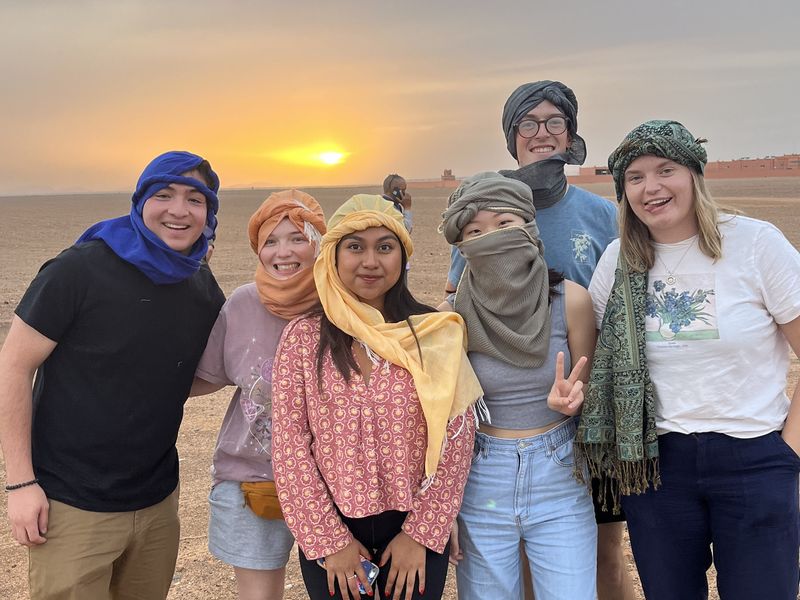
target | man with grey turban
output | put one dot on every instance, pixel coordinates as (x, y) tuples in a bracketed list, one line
[(540, 125)]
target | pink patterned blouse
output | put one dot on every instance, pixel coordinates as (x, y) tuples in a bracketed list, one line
[(357, 447)]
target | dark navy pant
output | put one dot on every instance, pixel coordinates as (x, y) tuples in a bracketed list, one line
[(737, 498)]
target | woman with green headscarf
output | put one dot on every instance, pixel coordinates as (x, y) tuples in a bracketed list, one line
[(686, 416)]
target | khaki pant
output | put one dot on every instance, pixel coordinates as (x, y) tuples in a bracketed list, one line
[(106, 556)]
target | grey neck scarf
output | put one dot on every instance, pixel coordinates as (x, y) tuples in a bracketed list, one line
[(503, 296), (546, 179)]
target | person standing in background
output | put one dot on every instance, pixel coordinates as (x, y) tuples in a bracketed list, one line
[(395, 190)]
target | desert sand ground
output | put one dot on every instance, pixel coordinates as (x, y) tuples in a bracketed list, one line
[(36, 228)]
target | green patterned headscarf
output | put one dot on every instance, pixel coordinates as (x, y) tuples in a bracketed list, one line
[(668, 139)]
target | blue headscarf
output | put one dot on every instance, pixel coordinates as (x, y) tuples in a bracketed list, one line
[(133, 242)]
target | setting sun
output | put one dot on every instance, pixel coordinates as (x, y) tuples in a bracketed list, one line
[(317, 155), (331, 158)]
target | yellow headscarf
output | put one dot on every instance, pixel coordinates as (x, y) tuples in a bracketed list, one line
[(445, 381)]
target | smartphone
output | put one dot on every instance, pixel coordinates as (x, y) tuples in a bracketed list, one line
[(398, 193), (370, 568)]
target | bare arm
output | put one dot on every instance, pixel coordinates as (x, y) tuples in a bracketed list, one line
[(581, 329), (791, 430), (201, 387), (566, 395), (25, 349), (445, 306)]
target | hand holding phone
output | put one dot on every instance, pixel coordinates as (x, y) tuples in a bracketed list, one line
[(371, 571)]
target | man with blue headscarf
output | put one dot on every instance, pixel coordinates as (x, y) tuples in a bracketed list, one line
[(113, 327)]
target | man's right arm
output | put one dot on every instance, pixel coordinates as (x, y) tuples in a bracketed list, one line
[(24, 350)]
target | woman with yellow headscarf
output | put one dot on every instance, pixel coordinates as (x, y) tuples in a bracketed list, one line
[(246, 528), (373, 417)]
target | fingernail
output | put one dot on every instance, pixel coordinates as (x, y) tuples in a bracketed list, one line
[(421, 591), (331, 592)]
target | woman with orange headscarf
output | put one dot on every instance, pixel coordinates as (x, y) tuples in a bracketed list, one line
[(246, 527)]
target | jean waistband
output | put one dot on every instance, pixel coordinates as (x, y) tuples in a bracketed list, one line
[(549, 440)]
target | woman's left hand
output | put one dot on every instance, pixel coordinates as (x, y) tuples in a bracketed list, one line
[(566, 395), (408, 564)]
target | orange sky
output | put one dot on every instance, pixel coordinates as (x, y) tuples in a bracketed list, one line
[(93, 90)]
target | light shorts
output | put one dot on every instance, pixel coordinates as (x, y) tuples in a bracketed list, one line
[(239, 537)]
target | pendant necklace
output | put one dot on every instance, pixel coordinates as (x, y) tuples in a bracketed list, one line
[(671, 279)]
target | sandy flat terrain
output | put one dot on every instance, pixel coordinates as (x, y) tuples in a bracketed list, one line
[(36, 228)]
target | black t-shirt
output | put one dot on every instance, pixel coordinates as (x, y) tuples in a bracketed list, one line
[(108, 401)]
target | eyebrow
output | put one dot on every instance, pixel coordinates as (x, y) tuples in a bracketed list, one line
[(533, 117), (658, 166), (358, 238), (172, 187)]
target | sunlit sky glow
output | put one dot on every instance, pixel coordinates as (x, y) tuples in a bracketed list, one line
[(270, 91)]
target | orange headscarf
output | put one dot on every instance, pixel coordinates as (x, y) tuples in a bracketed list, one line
[(287, 298)]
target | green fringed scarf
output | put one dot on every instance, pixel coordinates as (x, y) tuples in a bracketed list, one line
[(617, 437)]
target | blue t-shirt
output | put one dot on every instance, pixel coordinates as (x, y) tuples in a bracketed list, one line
[(575, 232)]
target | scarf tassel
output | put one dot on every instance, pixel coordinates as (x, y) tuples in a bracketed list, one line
[(428, 481), (617, 477)]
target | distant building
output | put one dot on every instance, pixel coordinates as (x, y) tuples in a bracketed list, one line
[(787, 165), (447, 180)]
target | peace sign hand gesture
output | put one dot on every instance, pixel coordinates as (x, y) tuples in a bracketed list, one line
[(566, 395)]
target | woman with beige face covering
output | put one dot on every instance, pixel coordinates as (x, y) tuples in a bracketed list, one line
[(530, 332)]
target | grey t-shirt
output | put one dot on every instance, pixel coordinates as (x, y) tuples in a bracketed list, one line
[(241, 352), (517, 396)]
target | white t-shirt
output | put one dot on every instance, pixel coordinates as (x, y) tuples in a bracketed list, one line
[(716, 357)]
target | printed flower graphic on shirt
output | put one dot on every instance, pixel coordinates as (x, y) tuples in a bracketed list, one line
[(258, 398), (676, 310), (581, 242), (256, 405)]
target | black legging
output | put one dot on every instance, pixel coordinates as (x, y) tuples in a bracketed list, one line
[(375, 533)]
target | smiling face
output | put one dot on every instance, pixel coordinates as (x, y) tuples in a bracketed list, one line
[(661, 194), (369, 263), (486, 221), (286, 252), (544, 144), (177, 215)]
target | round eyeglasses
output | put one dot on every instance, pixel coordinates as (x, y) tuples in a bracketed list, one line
[(528, 128)]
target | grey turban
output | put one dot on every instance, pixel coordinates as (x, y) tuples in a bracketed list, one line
[(527, 97), (485, 191), (667, 139)]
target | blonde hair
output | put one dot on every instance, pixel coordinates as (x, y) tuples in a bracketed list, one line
[(636, 243)]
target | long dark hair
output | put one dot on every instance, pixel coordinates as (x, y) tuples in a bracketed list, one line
[(398, 305), (553, 279)]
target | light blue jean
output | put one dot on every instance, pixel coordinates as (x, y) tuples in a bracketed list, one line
[(523, 490)]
